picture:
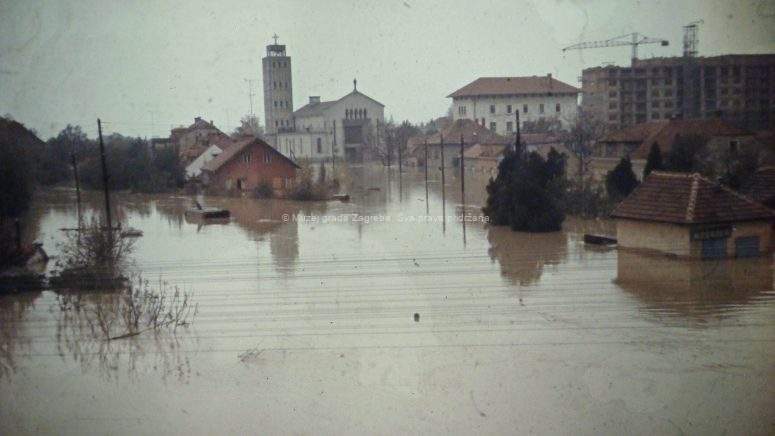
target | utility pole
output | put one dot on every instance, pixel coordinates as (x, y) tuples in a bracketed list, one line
[(77, 189), (400, 170), (105, 183), (427, 207), (443, 189), (463, 172), (518, 143), (333, 153)]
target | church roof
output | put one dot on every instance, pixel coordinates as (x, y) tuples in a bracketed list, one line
[(316, 109)]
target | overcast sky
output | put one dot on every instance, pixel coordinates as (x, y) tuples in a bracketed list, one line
[(144, 66)]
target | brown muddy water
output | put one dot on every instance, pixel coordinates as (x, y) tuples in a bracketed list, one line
[(308, 326)]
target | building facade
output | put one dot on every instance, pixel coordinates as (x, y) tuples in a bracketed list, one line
[(346, 128), (493, 102), (248, 164), (739, 88), (278, 89)]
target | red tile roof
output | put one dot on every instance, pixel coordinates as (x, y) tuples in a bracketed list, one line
[(665, 133), (473, 133), (233, 150), (762, 186), (514, 85), (683, 198)]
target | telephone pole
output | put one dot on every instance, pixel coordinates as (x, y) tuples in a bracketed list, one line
[(427, 207), (77, 188), (105, 182)]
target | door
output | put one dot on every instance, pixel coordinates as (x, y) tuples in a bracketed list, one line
[(715, 248), (747, 246)]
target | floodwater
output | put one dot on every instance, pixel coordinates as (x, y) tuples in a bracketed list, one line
[(378, 316)]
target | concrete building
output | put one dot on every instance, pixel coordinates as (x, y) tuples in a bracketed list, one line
[(739, 88), (193, 140), (686, 215), (278, 90), (635, 142), (346, 128), (248, 164), (493, 101), (449, 138)]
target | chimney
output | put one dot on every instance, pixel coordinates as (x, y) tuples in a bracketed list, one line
[(197, 119), (314, 99)]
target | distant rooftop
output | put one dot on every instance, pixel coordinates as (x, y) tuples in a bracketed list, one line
[(514, 86)]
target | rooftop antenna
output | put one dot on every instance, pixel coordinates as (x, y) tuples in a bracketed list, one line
[(250, 94), (691, 38)]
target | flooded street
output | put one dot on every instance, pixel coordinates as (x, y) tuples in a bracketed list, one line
[(387, 312)]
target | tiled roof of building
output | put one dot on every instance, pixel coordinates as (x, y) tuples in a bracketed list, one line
[(665, 133), (484, 151), (683, 198), (762, 186), (514, 86), (238, 146), (473, 133), (14, 132)]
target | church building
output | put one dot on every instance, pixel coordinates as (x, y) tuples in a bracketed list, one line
[(344, 129)]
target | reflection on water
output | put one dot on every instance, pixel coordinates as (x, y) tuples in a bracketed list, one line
[(694, 289), (317, 320), (523, 256)]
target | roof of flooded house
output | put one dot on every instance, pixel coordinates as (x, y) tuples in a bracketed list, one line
[(484, 151), (471, 131), (762, 186), (688, 198), (664, 133), (514, 86), (230, 152), (14, 132)]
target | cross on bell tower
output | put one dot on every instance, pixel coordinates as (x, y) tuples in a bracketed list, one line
[(355, 84), (275, 38)]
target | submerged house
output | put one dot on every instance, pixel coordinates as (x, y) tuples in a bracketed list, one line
[(248, 164), (687, 215)]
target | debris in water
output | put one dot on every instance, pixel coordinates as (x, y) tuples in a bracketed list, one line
[(416, 317)]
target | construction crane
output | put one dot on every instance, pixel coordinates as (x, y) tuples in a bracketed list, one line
[(632, 39), (691, 40)]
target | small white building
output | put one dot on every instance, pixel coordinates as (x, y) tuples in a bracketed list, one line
[(493, 101), (194, 169), (344, 128)]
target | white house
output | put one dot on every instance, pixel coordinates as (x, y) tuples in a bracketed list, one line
[(344, 128), (493, 101), (194, 169)]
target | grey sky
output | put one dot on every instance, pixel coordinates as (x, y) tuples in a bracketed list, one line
[(129, 62)]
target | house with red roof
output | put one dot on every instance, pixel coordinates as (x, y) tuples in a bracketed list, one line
[(636, 141), (248, 164), (687, 215)]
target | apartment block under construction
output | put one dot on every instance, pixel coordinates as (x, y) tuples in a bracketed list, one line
[(738, 88)]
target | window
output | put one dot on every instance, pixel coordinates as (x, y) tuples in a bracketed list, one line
[(320, 145), (275, 103), (482, 121), (274, 84), (246, 157), (541, 108), (733, 144), (557, 107), (655, 116), (492, 108), (492, 126), (461, 110), (509, 126), (508, 108), (524, 108), (364, 113), (267, 157)]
